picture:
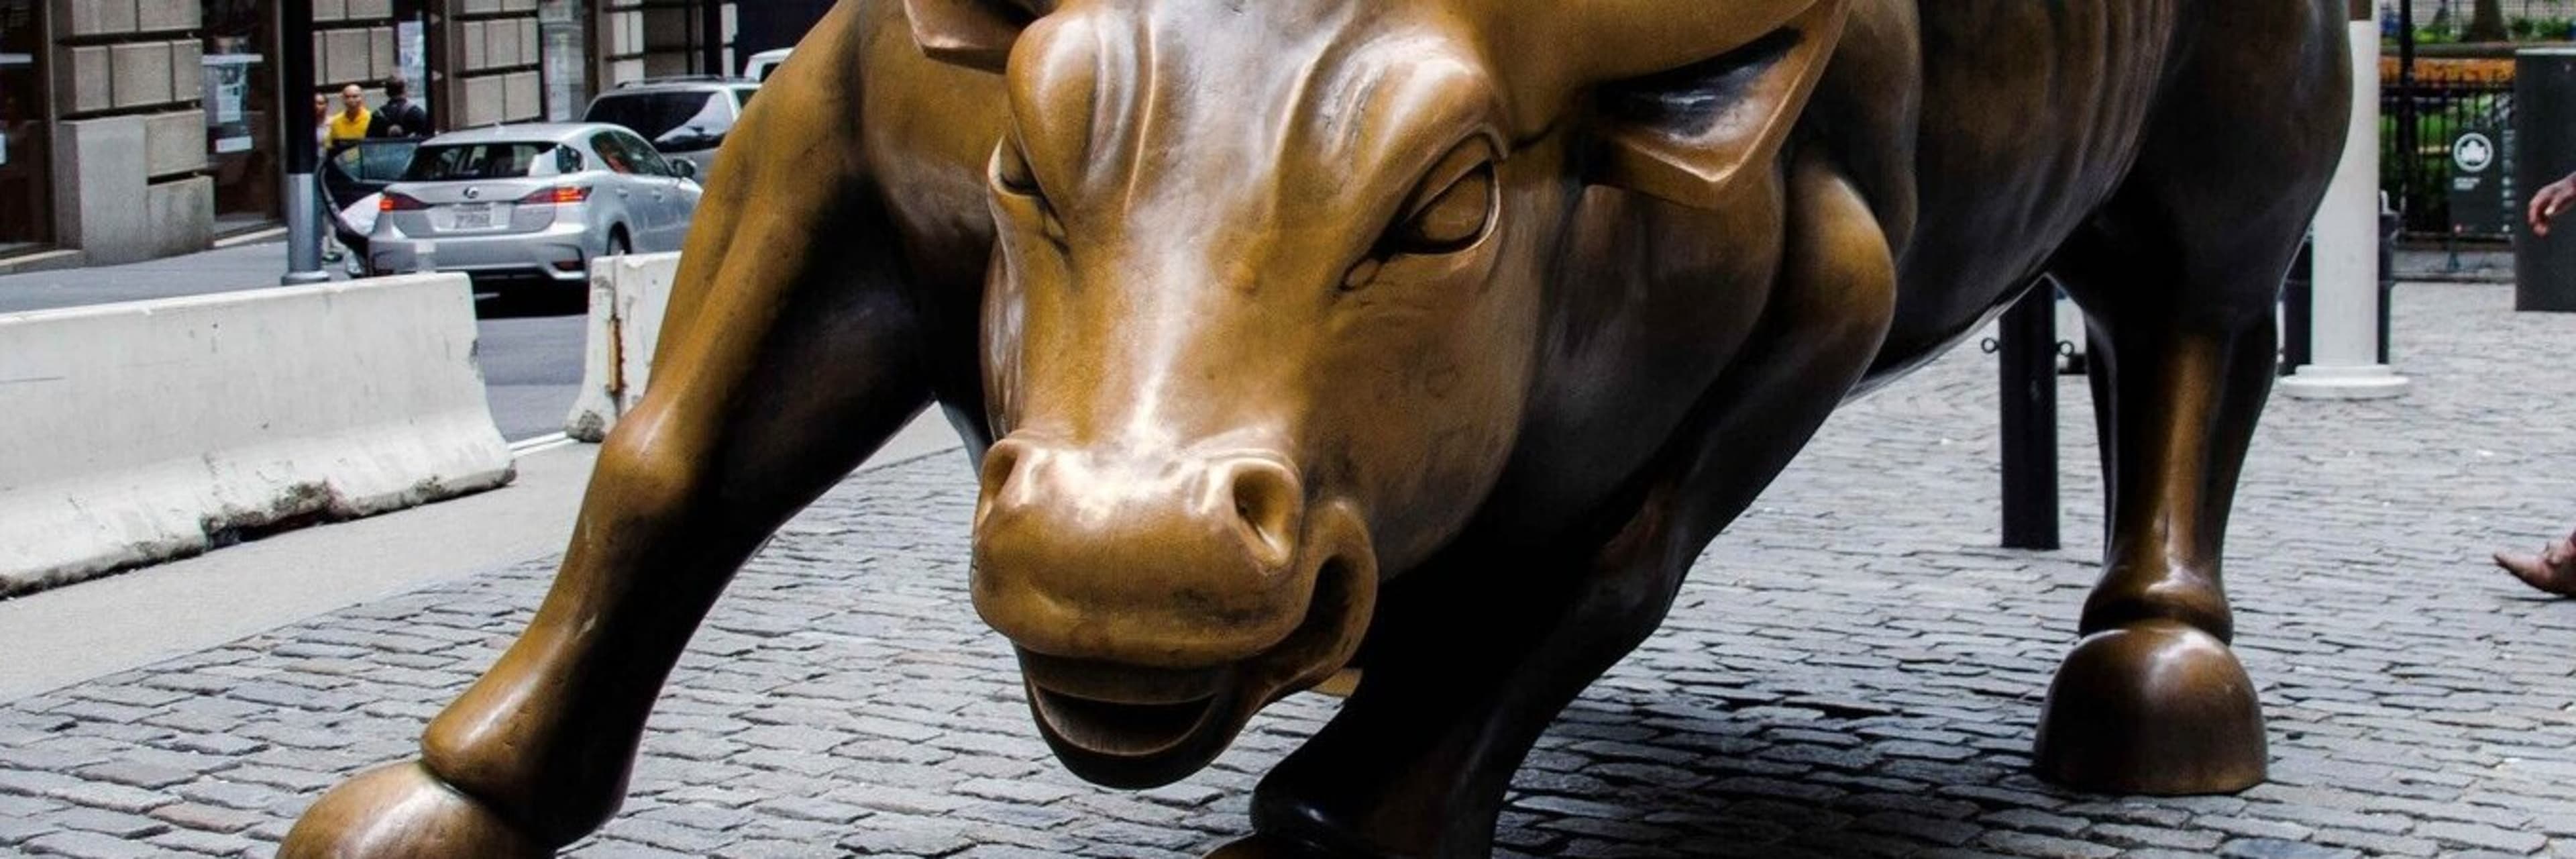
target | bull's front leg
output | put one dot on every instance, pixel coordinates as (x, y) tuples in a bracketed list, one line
[(792, 351), (2152, 700), (741, 430), (1478, 656)]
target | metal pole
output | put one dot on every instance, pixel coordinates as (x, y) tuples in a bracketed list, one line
[(2026, 353), (711, 36), (303, 198), (2410, 154)]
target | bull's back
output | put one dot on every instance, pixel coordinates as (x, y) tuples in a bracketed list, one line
[(2031, 113)]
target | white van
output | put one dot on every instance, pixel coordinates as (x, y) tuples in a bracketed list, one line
[(761, 64)]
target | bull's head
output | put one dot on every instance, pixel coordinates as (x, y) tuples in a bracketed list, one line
[(1264, 313)]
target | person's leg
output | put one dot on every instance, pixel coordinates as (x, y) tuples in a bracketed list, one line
[(2553, 569)]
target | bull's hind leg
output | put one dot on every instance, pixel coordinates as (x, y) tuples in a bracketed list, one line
[(2179, 274), (791, 353), (1474, 662)]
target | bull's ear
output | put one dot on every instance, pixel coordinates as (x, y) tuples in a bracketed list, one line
[(977, 34), (1688, 135)]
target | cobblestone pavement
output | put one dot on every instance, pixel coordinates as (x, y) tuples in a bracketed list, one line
[(1852, 671)]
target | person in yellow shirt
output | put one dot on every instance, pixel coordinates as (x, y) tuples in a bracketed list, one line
[(350, 124)]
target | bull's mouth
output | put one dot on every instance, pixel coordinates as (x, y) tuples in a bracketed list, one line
[(1129, 740), (1135, 727)]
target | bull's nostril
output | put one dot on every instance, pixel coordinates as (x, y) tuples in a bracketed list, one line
[(1269, 503), (1001, 466)]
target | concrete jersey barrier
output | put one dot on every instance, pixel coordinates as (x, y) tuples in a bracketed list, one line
[(627, 297), (134, 433)]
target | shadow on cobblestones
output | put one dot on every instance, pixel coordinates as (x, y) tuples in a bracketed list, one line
[(1852, 670)]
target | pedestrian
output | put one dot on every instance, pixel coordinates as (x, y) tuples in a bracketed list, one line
[(399, 116), (321, 122), (351, 123), (2554, 568)]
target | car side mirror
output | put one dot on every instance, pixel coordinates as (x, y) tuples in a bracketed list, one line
[(688, 169)]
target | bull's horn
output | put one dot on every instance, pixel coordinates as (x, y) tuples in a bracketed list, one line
[(1618, 39), (1692, 135), (973, 33)]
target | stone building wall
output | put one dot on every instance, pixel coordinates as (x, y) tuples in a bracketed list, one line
[(130, 137)]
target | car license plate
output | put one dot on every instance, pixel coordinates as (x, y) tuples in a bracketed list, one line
[(474, 217)]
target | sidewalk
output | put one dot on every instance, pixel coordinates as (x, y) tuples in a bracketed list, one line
[(1853, 669), (253, 265)]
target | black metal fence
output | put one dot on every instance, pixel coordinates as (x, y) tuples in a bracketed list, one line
[(2453, 14), (2420, 120)]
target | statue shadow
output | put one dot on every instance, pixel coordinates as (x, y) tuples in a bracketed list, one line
[(1737, 774)]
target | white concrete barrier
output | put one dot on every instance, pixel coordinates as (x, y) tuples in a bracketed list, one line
[(133, 433), (627, 297)]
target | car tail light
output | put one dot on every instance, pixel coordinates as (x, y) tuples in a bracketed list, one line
[(557, 195), (392, 202)]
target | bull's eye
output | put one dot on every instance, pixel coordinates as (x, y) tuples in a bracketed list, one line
[(1451, 220), (1011, 170), (1012, 175)]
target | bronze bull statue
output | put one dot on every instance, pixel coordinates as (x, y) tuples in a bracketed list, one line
[(1432, 337)]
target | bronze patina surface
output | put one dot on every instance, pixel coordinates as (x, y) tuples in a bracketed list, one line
[(1434, 337)]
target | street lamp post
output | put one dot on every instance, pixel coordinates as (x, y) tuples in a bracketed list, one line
[(295, 83)]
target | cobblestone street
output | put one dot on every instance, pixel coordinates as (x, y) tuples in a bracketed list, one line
[(1853, 670)]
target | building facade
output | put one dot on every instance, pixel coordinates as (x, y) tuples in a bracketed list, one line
[(131, 129)]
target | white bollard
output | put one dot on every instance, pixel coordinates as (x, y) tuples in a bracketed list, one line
[(627, 297), (2344, 308)]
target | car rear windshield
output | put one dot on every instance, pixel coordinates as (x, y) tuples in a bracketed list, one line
[(676, 118), (377, 160), (436, 163)]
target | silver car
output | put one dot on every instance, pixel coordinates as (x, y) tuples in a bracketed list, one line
[(531, 204)]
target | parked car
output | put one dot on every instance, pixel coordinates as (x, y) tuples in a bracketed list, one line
[(762, 64), (531, 204), (685, 118)]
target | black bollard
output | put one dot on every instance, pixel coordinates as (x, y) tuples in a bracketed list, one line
[(2544, 125), (2298, 303), (2026, 349)]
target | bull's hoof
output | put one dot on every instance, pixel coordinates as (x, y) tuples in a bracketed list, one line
[(403, 811), (2156, 707)]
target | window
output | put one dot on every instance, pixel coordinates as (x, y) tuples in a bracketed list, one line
[(376, 161), (480, 161), (26, 176), (647, 161), (675, 120), (744, 93), (568, 160), (612, 152)]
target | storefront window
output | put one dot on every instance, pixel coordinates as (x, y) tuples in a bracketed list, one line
[(241, 112), (26, 178)]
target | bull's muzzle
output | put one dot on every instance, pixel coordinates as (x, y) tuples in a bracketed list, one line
[(1157, 603)]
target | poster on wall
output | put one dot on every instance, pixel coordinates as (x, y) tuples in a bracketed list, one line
[(227, 91), (411, 59)]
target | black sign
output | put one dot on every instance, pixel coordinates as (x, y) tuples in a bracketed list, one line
[(2478, 176)]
